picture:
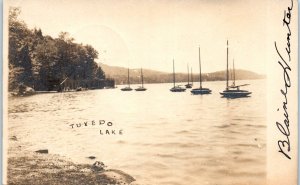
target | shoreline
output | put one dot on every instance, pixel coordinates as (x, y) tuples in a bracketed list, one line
[(116, 87), (40, 168)]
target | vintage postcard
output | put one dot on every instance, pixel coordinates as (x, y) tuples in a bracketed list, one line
[(150, 92)]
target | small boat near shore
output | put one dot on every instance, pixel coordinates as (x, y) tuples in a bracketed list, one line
[(176, 88), (200, 90), (141, 88), (128, 88), (233, 91)]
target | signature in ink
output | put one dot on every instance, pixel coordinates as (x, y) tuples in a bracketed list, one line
[(284, 145)]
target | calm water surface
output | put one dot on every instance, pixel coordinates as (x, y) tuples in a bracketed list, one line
[(168, 138)]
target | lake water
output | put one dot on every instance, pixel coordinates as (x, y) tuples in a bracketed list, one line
[(168, 138)]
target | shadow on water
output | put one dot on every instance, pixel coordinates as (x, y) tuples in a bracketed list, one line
[(235, 97), (201, 94)]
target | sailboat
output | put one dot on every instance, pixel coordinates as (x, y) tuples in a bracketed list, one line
[(141, 88), (127, 88), (233, 91), (176, 88), (200, 90), (188, 85)]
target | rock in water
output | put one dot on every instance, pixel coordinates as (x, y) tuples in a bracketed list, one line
[(98, 166), (119, 176), (44, 151), (92, 157)]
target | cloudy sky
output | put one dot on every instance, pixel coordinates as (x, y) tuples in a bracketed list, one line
[(149, 34)]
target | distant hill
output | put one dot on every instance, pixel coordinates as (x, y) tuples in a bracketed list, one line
[(152, 76)]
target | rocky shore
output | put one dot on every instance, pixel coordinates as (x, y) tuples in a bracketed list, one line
[(43, 168)]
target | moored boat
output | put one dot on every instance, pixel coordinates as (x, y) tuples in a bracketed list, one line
[(233, 91), (128, 88), (200, 90), (176, 88), (188, 85), (141, 88)]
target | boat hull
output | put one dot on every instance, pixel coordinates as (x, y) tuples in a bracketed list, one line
[(188, 86), (177, 89), (200, 91), (235, 93), (126, 89), (141, 89)]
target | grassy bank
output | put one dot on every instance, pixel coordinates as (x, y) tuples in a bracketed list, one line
[(32, 168)]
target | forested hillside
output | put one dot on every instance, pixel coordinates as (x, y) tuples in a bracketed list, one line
[(45, 63), (119, 74)]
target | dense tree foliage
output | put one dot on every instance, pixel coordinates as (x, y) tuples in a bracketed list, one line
[(47, 63)]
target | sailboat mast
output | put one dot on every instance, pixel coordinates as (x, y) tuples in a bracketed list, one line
[(142, 77), (173, 73), (128, 78), (188, 74), (200, 69), (192, 76), (233, 74), (227, 73)]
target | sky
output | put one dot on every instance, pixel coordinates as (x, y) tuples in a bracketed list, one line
[(150, 34)]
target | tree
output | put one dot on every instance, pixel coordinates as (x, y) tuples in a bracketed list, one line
[(19, 56), (44, 63)]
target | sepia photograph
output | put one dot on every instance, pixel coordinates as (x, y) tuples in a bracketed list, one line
[(149, 92)]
